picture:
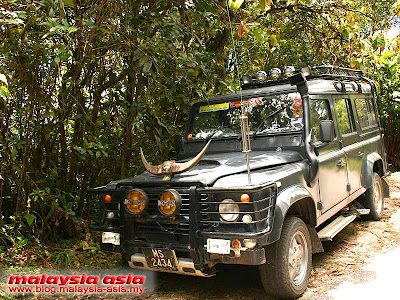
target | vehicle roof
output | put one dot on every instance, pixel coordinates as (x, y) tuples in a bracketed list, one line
[(315, 87)]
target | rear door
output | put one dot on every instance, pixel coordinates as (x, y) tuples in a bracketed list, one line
[(349, 141), (370, 135)]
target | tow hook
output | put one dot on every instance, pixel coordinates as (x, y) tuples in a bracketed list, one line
[(237, 251)]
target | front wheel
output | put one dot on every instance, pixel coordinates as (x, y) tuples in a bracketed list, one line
[(288, 267)]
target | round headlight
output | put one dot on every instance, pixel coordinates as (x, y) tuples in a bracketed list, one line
[(170, 203), (136, 202), (275, 73), (229, 210)]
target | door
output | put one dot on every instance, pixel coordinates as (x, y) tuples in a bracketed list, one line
[(350, 141), (332, 175)]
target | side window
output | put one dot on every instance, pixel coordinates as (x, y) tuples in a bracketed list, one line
[(365, 112), (345, 116), (320, 110)]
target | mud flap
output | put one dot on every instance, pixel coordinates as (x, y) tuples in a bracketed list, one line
[(386, 192), (315, 241)]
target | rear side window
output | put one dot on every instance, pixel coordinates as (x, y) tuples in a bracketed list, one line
[(320, 111), (345, 116), (365, 112)]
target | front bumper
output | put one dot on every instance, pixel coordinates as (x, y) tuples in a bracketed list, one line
[(194, 262), (188, 234), (186, 266)]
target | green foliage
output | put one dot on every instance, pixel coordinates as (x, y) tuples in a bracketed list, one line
[(83, 85), (387, 75)]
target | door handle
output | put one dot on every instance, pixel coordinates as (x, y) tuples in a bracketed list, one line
[(340, 164), (360, 154)]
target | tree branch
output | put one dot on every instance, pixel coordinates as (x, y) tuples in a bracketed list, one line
[(111, 82)]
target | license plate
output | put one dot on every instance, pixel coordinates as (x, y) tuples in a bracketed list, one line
[(110, 238), (218, 246), (163, 259)]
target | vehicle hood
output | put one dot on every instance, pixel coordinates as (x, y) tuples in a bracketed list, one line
[(215, 166)]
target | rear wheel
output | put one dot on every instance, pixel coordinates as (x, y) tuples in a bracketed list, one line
[(373, 199), (288, 267)]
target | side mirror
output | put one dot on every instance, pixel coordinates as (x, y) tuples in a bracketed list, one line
[(326, 131), (178, 143)]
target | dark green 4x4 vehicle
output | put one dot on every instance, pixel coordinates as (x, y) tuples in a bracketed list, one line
[(314, 160)]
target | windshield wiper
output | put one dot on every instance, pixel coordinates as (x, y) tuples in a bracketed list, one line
[(262, 123), (211, 135), (213, 132)]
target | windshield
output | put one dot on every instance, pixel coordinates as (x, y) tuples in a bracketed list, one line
[(267, 115)]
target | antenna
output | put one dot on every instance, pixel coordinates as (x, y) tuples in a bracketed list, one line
[(244, 118)]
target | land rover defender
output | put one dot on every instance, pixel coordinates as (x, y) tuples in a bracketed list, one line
[(314, 161)]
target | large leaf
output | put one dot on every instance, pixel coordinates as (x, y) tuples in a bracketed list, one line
[(4, 92), (240, 30), (3, 79), (262, 4), (243, 27), (274, 40), (147, 66), (69, 3), (29, 219), (80, 149), (138, 54), (206, 6), (235, 4)]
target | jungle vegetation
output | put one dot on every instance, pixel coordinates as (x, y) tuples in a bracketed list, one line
[(85, 83)]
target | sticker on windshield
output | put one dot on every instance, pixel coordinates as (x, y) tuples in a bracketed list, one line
[(214, 107), (250, 103)]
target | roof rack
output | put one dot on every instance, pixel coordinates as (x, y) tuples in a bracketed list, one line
[(323, 71), (336, 72)]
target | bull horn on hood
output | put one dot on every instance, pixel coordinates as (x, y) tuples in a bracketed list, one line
[(171, 167), (182, 167), (152, 169)]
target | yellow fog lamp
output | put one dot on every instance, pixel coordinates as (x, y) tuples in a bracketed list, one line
[(136, 202), (170, 203)]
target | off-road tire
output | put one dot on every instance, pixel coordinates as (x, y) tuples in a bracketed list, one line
[(368, 199), (274, 273)]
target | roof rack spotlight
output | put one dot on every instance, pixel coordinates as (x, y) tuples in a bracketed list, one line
[(262, 76), (246, 79), (306, 71), (275, 73), (289, 71)]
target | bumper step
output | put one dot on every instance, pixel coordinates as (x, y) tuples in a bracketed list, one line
[(328, 232), (358, 209)]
